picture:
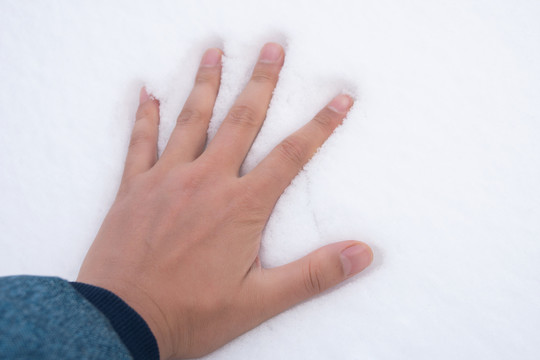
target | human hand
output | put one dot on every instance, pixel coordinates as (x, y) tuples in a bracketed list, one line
[(180, 243)]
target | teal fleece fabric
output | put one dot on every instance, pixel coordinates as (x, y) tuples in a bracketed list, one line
[(46, 318)]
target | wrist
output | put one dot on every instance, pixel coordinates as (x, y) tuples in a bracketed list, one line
[(132, 328)]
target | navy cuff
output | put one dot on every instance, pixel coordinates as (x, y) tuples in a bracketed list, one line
[(128, 324)]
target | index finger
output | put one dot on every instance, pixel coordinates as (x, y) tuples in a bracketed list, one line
[(275, 172)]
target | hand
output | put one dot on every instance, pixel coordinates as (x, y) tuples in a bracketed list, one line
[(180, 243)]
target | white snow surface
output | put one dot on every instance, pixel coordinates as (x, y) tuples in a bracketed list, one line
[(437, 166)]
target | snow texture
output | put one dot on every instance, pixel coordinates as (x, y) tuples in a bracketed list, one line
[(437, 166)]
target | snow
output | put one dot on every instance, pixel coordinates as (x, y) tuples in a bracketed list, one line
[(437, 166)]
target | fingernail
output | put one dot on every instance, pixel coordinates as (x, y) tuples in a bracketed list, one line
[(143, 96), (341, 103), (271, 53), (211, 57), (356, 258)]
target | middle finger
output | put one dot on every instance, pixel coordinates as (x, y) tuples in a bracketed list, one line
[(239, 129)]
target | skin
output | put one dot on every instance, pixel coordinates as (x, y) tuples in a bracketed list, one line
[(180, 244)]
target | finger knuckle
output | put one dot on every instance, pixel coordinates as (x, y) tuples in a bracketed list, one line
[(189, 117), (249, 201), (190, 183), (192, 179), (136, 187), (314, 281), (140, 136), (326, 119), (265, 75), (242, 115), (292, 149), (206, 76)]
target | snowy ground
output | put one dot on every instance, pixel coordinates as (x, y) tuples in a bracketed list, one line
[(437, 166)]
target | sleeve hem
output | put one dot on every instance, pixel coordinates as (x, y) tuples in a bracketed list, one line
[(128, 324)]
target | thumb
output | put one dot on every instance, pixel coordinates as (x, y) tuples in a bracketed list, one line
[(287, 285)]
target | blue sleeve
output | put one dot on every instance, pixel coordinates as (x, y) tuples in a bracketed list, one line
[(49, 318)]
